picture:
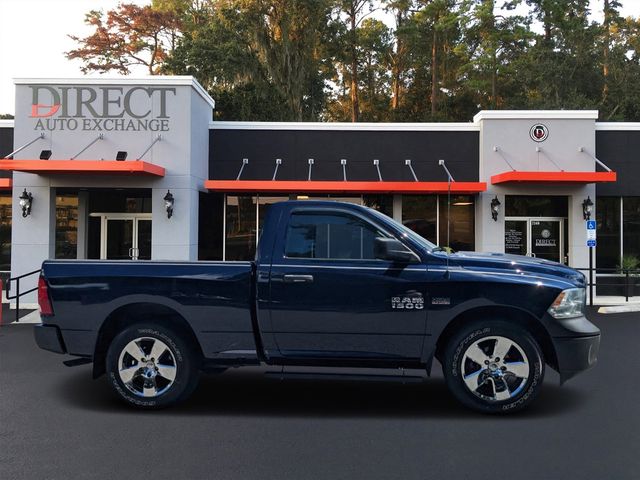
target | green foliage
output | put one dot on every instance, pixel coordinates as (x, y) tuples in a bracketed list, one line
[(335, 60), (629, 263)]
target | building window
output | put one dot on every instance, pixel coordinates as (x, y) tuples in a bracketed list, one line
[(631, 226), (381, 203), (462, 225), (241, 229), (420, 214), (608, 218), (5, 232), (210, 221), (536, 206), (66, 226)]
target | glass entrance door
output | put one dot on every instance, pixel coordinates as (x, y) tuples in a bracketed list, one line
[(119, 239), (546, 239), (537, 237), (125, 237)]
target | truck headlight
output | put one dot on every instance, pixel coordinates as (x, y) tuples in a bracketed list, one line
[(568, 304)]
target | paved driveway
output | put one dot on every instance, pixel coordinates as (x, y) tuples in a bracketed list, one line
[(56, 423)]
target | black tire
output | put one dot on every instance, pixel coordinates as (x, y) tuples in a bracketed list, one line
[(498, 386), (147, 387)]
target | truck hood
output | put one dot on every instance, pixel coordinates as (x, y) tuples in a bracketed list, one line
[(518, 264)]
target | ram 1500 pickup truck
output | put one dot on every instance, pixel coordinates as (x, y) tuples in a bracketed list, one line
[(332, 285)]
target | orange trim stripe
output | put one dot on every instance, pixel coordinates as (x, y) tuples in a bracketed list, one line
[(313, 186), (6, 183), (554, 177), (105, 167)]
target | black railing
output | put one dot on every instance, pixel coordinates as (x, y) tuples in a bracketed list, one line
[(596, 278), (18, 293)]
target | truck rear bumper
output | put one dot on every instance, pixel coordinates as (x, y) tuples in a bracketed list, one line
[(48, 337)]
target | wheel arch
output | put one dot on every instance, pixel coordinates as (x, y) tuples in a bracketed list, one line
[(508, 314), (140, 312)]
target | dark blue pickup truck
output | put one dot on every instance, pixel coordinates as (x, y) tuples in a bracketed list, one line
[(332, 285)]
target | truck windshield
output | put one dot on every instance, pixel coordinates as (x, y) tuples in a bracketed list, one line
[(405, 231)]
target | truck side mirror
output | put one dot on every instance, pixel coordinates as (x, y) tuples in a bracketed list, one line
[(392, 250)]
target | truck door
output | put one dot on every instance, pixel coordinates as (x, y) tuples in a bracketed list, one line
[(330, 298)]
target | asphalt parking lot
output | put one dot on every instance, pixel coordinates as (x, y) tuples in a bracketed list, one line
[(56, 423)]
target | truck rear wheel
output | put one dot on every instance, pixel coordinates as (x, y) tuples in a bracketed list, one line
[(151, 366), (493, 367)]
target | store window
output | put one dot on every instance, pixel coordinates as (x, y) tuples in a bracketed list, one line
[(210, 222), (241, 228), (536, 206), (381, 203), (631, 226), (462, 225), (420, 214), (608, 218), (66, 226), (5, 232)]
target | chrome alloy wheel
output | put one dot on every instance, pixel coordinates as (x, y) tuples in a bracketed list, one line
[(147, 367), (495, 368)]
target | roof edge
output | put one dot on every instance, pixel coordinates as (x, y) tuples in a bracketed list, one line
[(535, 114), (426, 126)]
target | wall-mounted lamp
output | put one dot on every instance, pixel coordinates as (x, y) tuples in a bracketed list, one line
[(495, 208), (45, 154), (587, 208), (121, 156), (168, 204), (26, 199)]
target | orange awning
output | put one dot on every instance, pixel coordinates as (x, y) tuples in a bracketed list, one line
[(314, 186), (5, 183), (553, 177), (79, 167)]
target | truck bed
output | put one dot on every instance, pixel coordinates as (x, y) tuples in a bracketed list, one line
[(213, 297)]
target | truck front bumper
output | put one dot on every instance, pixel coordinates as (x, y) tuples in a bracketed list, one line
[(48, 337), (576, 342)]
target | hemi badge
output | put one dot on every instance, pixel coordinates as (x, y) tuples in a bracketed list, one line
[(441, 301)]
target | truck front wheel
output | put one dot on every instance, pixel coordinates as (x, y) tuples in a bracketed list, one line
[(151, 366), (493, 367)]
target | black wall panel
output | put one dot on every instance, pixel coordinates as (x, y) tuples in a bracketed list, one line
[(227, 148), (620, 151), (6, 147)]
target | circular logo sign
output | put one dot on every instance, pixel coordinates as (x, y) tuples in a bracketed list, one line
[(545, 233), (539, 132)]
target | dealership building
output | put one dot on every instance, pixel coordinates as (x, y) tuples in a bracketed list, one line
[(120, 169)]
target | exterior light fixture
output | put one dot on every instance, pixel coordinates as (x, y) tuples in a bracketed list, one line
[(587, 208), (168, 204), (45, 154), (495, 208), (26, 199), (121, 156)]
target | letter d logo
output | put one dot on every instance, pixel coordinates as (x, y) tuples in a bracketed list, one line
[(36, 107)]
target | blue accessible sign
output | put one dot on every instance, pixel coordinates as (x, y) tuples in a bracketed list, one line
[(591, 233)]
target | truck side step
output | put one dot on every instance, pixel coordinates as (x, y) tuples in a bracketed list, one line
[(282, 375), (77, 361)]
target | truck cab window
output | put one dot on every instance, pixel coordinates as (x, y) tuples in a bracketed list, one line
[(330, 236)]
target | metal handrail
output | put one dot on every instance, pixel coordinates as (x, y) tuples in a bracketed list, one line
[(18, 292), (627, 273)]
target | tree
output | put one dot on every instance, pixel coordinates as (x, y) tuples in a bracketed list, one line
[(131, 35)]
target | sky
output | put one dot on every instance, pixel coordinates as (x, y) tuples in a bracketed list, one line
[(34, 37)]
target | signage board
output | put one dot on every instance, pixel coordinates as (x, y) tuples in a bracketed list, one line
[(591, 233)]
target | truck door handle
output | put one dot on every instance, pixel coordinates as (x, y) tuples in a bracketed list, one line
[(298, 278)]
